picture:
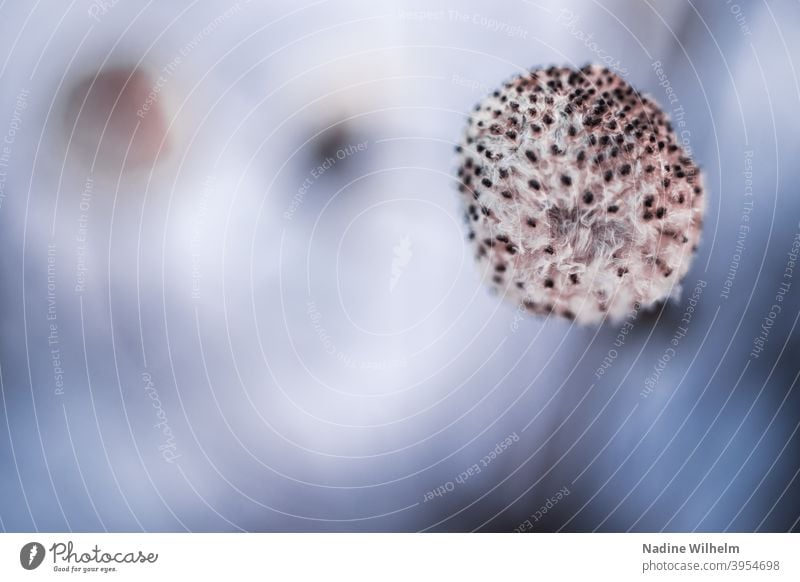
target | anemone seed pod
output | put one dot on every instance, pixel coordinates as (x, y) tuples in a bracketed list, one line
[(580, 199)]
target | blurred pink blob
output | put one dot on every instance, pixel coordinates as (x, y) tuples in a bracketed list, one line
[(118, 119)]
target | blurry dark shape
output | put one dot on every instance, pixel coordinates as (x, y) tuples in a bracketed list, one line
[(328, 144), (116, 118)]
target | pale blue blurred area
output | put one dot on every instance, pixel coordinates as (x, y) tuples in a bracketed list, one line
[(340, 358)]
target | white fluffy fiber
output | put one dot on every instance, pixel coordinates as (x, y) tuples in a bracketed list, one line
[(580, 200)]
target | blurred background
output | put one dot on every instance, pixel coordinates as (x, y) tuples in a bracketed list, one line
[(236, 291)]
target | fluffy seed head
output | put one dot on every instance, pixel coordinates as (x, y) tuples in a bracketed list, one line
[(580, 200)]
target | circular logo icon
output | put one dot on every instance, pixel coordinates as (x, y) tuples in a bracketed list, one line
[(32, 555)]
